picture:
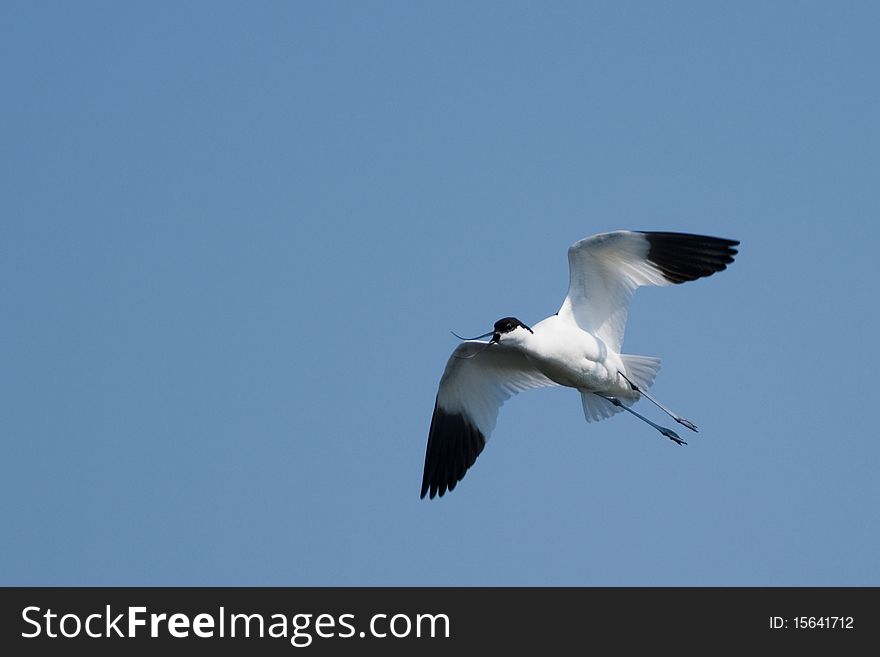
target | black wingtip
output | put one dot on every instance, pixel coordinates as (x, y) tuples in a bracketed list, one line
[(683, 257), (454, 444)]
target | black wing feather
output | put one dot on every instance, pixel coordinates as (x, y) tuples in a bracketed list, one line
[(453, 446), (683, 257)]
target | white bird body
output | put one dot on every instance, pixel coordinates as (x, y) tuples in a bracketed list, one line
[(578, 347), (570, 356)]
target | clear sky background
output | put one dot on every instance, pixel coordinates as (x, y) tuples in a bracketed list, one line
[(235, 237)]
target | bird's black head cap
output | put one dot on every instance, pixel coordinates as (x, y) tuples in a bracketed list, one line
[(506, 325)]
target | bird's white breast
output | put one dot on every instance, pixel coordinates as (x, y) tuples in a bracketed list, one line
[(572, 357)]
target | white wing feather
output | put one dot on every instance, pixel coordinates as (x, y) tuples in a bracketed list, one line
[(479, 378), (604, 271)]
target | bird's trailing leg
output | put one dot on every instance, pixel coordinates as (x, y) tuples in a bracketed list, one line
[(669, 433), (678, 418)]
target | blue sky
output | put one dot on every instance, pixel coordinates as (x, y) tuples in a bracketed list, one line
[(235, 237)]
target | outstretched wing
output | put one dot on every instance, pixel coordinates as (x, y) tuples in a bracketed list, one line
[(605, 270), (479, 377)]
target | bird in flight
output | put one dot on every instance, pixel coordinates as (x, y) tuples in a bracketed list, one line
[(577, 347)]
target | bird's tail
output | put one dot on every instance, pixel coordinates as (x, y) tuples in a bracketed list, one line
[(641, 370)]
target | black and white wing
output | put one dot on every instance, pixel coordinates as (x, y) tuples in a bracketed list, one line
[(479, 377), (605, 270)]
